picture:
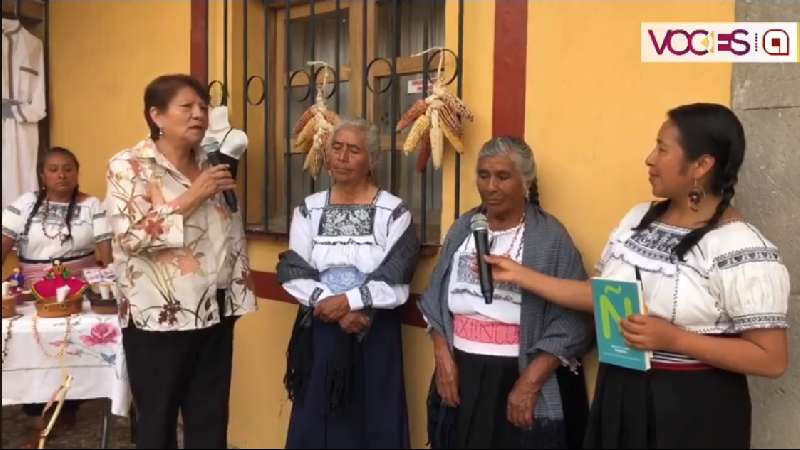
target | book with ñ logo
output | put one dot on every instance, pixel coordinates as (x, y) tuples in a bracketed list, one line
[(614, 301)]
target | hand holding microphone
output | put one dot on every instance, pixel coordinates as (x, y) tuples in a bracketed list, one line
[(224, 179), (213, 180), (480, 232)]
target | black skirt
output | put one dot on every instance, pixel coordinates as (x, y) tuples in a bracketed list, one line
[(669, 409), (374, 414), (485, 383)]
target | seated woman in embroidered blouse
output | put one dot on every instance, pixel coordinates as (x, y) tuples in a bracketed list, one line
[(352, 254), (499, 381), (714, 286), (56, 222), (182, 270)]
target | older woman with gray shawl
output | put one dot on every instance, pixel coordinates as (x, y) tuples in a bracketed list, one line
[(352, 254), (508, 372)]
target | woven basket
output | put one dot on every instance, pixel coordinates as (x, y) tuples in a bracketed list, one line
[(45, 293), (50, 309), (9, 306)]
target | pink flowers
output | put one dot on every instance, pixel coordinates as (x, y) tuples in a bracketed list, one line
[(102, 333)]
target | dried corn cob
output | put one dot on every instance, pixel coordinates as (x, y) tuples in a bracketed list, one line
[(424, 153), (331, 117), (452, 121), (417, 109), (304, 118), (458, 107), (305, 138), (437, 140), (420, 127), (458, 145)]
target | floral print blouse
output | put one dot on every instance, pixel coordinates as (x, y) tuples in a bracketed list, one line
[(169, 267)]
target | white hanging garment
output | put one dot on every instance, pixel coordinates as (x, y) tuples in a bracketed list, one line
[(23, 107)]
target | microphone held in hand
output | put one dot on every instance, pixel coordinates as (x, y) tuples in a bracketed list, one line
[(215, 158), (480, 231)]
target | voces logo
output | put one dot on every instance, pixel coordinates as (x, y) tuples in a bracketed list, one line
[(720, 42)]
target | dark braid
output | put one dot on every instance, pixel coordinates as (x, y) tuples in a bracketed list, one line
[(40, 196), (657, 209), (706, 129), (533, 193), (70, 209)]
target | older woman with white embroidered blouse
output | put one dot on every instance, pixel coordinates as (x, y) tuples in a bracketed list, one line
[(503, 377), (352, 253)]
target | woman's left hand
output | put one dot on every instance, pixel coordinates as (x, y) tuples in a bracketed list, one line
[(332, 309), (650, 333), (522, 403)]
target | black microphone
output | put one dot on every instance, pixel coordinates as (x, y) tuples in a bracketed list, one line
[(480, 231), (215, 158)]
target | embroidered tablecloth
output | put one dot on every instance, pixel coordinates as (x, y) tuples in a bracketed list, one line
[(94, 357)]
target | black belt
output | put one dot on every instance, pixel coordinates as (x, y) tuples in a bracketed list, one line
[(221, 303), (51, 260)]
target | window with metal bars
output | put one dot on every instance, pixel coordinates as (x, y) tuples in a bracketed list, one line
[(370, 48)]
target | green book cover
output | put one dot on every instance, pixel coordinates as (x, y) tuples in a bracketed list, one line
[(614, 301)]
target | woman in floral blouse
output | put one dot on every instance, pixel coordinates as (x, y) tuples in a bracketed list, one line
[(182, 267)]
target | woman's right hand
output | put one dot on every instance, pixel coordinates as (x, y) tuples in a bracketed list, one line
[(504, 269), (446, 375), (211, 182), (354, 322)]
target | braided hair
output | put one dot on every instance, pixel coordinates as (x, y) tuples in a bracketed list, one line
[(706, 129), (41, 194)]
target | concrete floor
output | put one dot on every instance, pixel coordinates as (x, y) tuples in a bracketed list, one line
[(16, 430)]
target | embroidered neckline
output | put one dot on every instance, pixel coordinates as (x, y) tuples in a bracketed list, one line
[(679, 228), (373, 203)]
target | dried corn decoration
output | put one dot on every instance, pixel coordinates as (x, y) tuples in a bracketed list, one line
[(432, 120), (313, 129)]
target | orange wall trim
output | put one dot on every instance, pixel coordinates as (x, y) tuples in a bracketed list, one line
[(267, 287), (198, 53), (510, 56)]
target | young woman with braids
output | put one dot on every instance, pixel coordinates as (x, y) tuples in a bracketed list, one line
[(715, 288), (56, 222)]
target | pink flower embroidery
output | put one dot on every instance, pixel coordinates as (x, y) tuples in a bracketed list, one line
[(102, 333), (188, 263), (136, 167), (182, 258), (154, 227)]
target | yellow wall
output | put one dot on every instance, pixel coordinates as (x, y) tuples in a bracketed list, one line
[(592, 113), (102, 56), (593, 108)]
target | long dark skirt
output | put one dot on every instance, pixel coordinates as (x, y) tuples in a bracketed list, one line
[(669, 409), (485, 383), (375, 414)]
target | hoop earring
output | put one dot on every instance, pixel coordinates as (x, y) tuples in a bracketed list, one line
[(696, 195)]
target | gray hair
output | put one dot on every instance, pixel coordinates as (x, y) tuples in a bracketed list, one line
[(522, 156), (370, 135)]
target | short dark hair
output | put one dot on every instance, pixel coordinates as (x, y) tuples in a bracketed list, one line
[(162, 90)]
